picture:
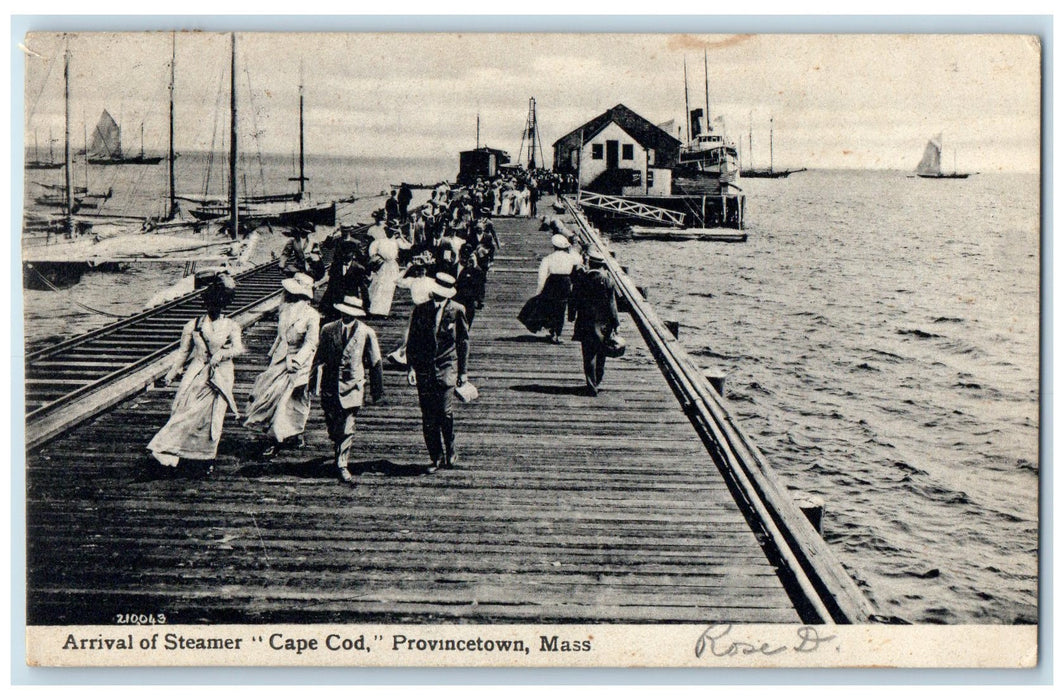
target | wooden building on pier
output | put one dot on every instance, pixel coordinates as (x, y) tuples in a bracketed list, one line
[(629, 171)]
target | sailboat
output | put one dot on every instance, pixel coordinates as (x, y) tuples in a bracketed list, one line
[(106, 146), (706, 164), (771, 172), (930, 165), (37, 163), (271, 209)]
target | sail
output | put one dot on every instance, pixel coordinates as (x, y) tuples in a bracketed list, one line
[(106, 138), (931, 163)]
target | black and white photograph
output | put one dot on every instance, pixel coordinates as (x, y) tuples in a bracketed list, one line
[(493, 349)]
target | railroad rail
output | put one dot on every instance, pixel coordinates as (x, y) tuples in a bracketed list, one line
[(821, 589)]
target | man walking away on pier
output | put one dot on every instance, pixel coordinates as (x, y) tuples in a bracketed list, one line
[(405, 195), (348, 349), (437, 351), (594, 307), (391, 207), (204, 360), (279, 399)]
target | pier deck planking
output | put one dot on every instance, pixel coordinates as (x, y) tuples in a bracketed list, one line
[(564, 507)]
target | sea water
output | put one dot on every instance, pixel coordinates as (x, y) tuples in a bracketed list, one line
[(880, 336)]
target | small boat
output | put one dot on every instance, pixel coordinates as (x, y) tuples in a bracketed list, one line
[(106, 145), (658, 233), (52, 275), (930, 166)]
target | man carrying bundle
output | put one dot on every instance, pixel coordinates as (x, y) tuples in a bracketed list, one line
[(437, 351)]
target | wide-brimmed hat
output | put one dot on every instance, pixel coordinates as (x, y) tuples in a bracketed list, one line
[(221, 289), (299, 284), (350, 306), (444, 285), (594, 257), (559, 241)]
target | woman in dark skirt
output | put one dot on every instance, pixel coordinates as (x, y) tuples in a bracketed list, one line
[(546, 310)]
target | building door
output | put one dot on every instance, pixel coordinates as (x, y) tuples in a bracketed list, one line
[(612, 154)]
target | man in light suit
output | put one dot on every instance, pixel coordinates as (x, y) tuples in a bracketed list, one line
[(347, 349), (437, 351)]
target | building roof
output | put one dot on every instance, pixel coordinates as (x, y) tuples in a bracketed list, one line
[(485, 149), (647, 134)]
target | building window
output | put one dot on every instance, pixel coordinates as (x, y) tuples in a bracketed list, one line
[(627, 151), (596, 151), (650, 179), (650, 156), (574, 158)]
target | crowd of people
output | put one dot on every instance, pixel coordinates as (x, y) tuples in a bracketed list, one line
[(441, 252)]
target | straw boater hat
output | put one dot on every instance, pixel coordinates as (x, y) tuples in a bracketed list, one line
[(594, 257), (444, 285), (350, 306), (300, 284), (559, 241)]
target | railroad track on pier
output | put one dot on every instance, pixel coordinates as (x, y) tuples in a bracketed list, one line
[(61, 373)]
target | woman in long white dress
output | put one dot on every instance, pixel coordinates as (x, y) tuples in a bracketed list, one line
[(204, 361), (382, 286), (523, 202), (279, 398)]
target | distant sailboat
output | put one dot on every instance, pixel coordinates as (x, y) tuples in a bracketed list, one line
[(930, 165), (37, 163), (106, 145), (771, 172)]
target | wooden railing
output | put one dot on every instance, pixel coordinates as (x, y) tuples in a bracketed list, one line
[(820, 588), (628, 207)]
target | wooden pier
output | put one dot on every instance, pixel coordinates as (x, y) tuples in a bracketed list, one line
[(564, 507)]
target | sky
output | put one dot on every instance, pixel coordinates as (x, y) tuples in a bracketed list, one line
[(837, 101)]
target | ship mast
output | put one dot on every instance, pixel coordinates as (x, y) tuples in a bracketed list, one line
[(770, 158), (233, 204), (170, 155), (66, 143), (751, 155), (686, 102), (709, 122), (302, 179)]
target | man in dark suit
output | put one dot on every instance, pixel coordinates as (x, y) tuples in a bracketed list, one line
[(437, 351), (347, 276), (391, 207), (593, 304), (347, 352)]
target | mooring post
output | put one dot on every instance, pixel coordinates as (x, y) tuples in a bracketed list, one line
[(813, 509), (715, 377)]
